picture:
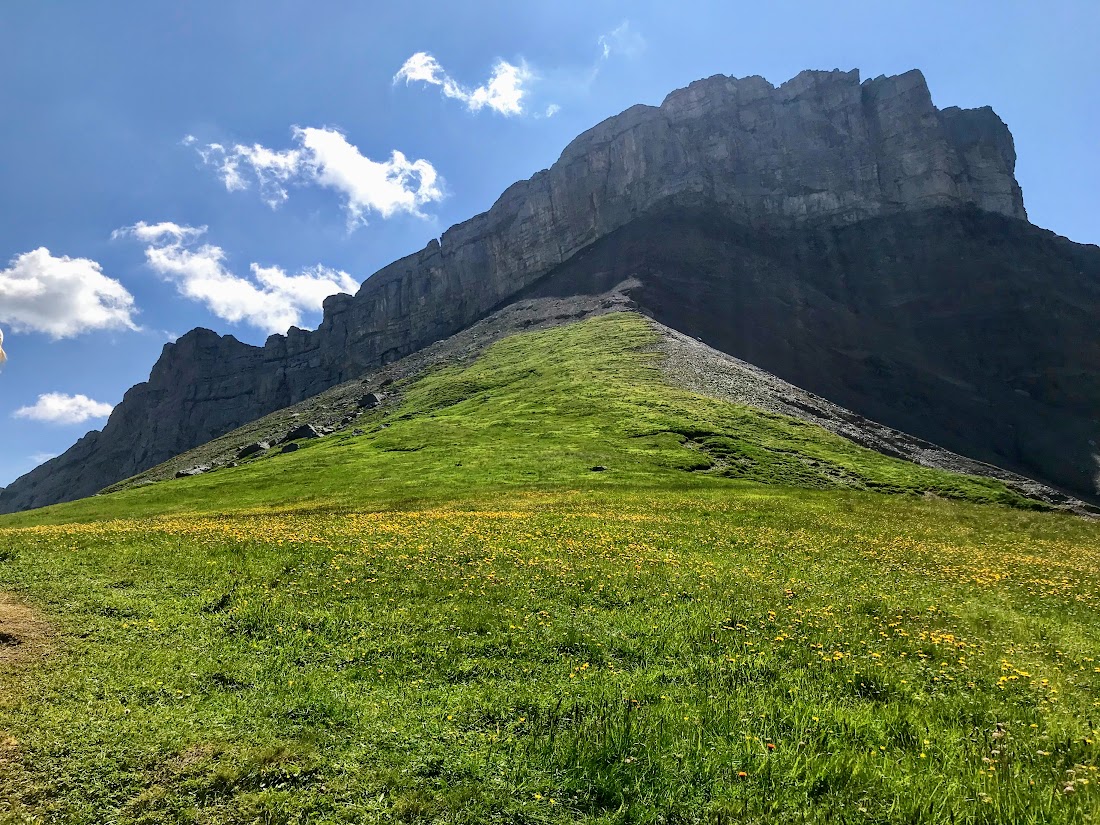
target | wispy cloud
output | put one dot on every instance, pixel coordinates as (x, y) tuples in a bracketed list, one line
[(509, 91), (62, 296), (504, 92), (269, 298), (59, 408), (324, 157), (621, 41)]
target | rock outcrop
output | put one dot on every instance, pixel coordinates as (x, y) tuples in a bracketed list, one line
[(300, 432), (822, 148)]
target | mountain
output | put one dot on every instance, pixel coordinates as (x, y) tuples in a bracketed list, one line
[(849, 237), (544, 396), (360, 409)]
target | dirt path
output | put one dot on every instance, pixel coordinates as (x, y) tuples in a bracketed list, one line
[(23, 637), (23, 634)]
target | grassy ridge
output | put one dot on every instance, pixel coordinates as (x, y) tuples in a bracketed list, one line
[(538, 411), (454, 619)]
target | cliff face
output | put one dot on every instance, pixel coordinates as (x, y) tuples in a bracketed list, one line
[(822, 147)]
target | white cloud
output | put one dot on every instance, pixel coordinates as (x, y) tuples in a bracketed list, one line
[(324, 157), (271, 299), (59, 408), (62, 296), (508, 91), (308, 289), (155, 231), (426, 69), (42, 458), (397, 185), (504, 92), (622, 40)]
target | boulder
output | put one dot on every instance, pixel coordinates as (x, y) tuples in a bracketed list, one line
[(371, 400), (290, 448), (253, 449), (193, 471), (301, 431)]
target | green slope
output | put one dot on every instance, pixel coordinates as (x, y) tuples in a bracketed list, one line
[(538, 411), (455, 619)]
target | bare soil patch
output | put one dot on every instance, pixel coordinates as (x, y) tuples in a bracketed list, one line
[(23, 634)]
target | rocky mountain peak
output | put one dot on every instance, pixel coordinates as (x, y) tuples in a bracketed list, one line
[(822, 148)]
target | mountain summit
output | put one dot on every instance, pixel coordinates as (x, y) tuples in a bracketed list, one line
[(848, 236)]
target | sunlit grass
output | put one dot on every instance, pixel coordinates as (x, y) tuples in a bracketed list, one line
[(432, 636), (538, 411)]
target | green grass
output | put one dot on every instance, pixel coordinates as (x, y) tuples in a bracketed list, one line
[(453, 619), (537, 412)]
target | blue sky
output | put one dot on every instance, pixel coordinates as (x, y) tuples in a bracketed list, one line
[(130, 126)]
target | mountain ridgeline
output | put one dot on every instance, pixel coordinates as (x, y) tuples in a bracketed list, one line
[(848, 236)]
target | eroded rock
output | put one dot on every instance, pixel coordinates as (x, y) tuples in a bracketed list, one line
[(253, 449), (301, 431)]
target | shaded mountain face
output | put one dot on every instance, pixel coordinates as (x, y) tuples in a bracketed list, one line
[(822, 151)]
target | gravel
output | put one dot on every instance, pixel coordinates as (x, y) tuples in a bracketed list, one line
[(691, 364)]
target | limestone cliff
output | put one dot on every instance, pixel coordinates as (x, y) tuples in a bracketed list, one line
[(820, 148)]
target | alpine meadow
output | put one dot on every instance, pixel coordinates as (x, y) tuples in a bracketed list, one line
[(454, 617), (606, 413)]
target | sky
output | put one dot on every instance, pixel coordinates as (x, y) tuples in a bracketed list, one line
[(228, 164)]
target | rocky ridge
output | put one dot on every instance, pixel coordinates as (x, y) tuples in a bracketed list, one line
[(964, 328), (823, 146), (691, 364), (686, 362)]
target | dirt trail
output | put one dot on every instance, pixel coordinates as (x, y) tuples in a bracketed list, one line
[(23, 634), (23, 637)]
